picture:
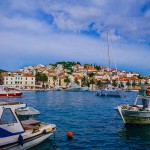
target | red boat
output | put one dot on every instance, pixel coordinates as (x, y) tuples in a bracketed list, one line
[(6, 92)]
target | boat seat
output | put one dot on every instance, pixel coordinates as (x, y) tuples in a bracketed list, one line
[(30, 127), (31, 122)]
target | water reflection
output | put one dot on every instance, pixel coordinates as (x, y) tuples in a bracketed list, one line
[(135, 131)]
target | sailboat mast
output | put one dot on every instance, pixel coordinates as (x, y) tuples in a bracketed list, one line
[(108, 45)]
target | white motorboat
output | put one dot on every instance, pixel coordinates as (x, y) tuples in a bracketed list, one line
[(20, 135), (73, 87), (27, 113), (84, 89), (139, 112), (9, 92), (109, 91), (56, 88)]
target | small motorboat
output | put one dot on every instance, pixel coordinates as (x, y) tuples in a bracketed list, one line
[(56, 88), (109, 91), (9, 92), (139, 112), (73, 87), (21, 135), (26, 113)]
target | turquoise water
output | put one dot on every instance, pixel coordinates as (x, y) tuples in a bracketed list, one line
[(93, 121)]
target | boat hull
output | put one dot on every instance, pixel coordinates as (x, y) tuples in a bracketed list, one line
[(109, 93), (28, 143), (135, 117), (74, 89), (13, 94)]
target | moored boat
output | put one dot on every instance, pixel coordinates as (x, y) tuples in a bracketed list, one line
[(20, 135), (109, 91), (6, 92), (73, 87), (139, 112), (26, 113)]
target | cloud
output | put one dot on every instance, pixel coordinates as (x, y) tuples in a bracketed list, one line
[(48, 30)]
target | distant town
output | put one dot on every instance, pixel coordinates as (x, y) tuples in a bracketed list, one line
[(63, 73)]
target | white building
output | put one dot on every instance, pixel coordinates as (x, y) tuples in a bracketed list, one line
[(19, 80)]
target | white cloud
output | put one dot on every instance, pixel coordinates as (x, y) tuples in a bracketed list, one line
[(28, 36)]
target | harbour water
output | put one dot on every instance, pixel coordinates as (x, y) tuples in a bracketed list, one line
[(92, 119)]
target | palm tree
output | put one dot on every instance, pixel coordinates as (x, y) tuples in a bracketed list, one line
[(84, 80), (92, 82), (54, 78), (121, 85), (134, 84), (76, 81), (99, 83), (67, 80), (114, 83), (128, 83), (44, 78), (38, 76)]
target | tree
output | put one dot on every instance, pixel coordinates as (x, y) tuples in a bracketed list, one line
[(92, 82), (84, 80), (76, 81), (122, 85), (99, 83), (38, 77), (55, 79), (79, 63), (44, 78), (139, 76), (91, 75), (114, 83), (134, 84), (67, 80), (128, 83)]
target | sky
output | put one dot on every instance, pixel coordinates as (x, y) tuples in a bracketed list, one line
[(46, 31)]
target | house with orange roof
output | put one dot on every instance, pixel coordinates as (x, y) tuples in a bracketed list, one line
[(91, 69), (77, 67)]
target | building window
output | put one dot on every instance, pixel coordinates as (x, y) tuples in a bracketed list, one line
[(26, 82), (6, 78), (11, 82), (11, 78), (6, 82), (16, 78), (15, 82), (21, 78), (26, 78)]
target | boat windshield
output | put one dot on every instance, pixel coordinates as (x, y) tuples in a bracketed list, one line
[(7, 117), (144, 102)]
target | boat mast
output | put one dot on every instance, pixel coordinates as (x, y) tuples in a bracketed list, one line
[(108, 46)]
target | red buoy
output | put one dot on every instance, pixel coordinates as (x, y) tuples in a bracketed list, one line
[(70, 134)]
